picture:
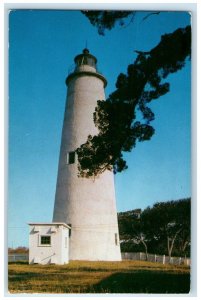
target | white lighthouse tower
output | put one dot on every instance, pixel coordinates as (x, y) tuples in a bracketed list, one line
[(87, 205)]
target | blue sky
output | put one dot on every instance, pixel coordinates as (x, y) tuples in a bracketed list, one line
[(42, 46)]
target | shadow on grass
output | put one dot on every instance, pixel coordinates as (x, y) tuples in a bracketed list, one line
[(144, 282), (16, 277)]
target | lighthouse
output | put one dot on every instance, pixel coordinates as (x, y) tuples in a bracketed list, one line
[(87, 205)]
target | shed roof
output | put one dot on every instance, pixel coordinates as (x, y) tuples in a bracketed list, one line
[(50, 224)]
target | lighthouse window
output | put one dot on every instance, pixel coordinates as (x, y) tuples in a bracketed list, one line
[(71, 158), (116, 239), (69, 232)]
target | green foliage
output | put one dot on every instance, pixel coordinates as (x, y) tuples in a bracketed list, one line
[(116, 118), (104, 19), (165, 228)]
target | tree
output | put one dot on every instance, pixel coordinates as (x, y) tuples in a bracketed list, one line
[(107, 19), (116, 118), (168, 221), (183, 239), (140, 235), (163, 228), (132, 230), (104, 19), (19, 250)]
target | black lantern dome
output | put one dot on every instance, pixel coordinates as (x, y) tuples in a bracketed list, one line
[(85, 65), (85, 59)]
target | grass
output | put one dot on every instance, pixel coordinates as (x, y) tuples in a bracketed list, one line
[(99, 277)]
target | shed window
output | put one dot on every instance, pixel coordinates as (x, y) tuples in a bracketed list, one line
[(45, 240), (71, 157)]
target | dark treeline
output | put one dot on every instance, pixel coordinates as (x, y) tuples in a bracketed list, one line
[(163, 228), (18, 250)]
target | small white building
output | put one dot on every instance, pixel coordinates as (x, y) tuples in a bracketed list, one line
[(49, 243)]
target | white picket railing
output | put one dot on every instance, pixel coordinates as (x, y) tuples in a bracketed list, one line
[(155, 258), (18, 257)]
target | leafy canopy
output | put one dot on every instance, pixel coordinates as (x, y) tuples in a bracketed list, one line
[(116, 118), (104, 19), (164, 227)]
